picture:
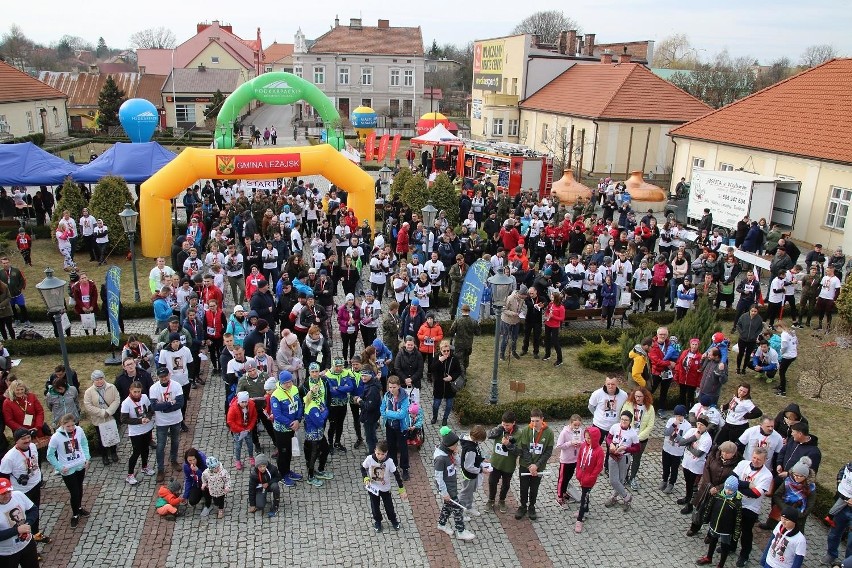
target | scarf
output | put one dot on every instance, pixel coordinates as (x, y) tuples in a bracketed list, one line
[(796, 494)]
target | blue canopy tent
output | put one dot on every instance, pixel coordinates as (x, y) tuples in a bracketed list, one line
[(133, 162), (27, 164)]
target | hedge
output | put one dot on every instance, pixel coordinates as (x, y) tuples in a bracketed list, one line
[(567, 337), (142, 310), (76, 344), (37, 139)]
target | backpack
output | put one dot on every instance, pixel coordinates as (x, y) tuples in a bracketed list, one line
[(29, 334)]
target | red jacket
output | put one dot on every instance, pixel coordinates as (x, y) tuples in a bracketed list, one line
[(656, 355), (168, 496), (402, 241), (435, 333), (235, 417), (659, 274), (77, 294), (688, 375), (15, 410), (555, 315), (509, 238), (590, 460), (214, 323), (211, 293)]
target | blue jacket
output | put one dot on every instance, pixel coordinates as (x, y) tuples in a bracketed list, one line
[(340, 387), (672, 353), (302, 287), (608, 294), (383, 354), (723, 347), (190, 480), (687, 295), (162, 310), (286, 409), (315, 421), (397, 419), (753, 239)]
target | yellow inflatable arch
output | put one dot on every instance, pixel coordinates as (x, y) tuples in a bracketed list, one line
[(193, 164)]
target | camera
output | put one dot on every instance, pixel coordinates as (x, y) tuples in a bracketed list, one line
[(23, 479)]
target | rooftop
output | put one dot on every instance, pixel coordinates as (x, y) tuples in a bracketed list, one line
[(370, 40), (208, 81), (17, 86)]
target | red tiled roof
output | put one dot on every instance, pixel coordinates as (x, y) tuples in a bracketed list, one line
[(150, 88), (370, 41), (83, 88), (17, 86), (277, 51), (809, 114), (628, 91)]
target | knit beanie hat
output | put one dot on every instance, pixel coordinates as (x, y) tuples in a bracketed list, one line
[(175, 486), (444, 430), (791, 513), (261, 459), (213, 462), (680, 410), (732, 483), (269, 385), (802, 467), (449, 439)]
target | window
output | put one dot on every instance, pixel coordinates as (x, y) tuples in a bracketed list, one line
[(56, 122), (319, 75), (185, 113), (497, 127), (726, 167), (214, 60), (366, 76), (367, 102), (408, 78), (393, 108), (343, 76), (30, 124), (697, 163), (297, 70), (515, 86), (544, 133), (4, 126), (269, 68), (526, 129), (407, 107), (394, 77), (513, 127), (838, 208)]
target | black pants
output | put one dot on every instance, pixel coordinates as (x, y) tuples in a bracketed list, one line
[(746, 350), (356, 419), (585, 498), (349, 340), (26, 558), (91, 246), (260, 405), (782, 373), (566, 472), (658, 297), (193, 368), (196, 494), (375, 506), (690, 479), (730, 432), (219, 501), (6, 328), (336, 418), (378, 289), (534, 330), (34, 495), (773, 310), (141, 445), (791, 299), (494, 478), (186, 388), (637, 459), (680, 313), (657, 381), (607, 312), (529, 487), (749, 519), (316, 451), (551, 341), (686, 396), (215, 349), (724, 550), (670, 466), (74, 483), (397, 447), (284, 443), (368, 334)]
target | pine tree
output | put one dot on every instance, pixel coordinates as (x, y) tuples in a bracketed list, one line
[(102, 50), (108, 200), (444, 197), (109, 101), (72, 200), (844, 302), (414, 193), (215, 105), (399, 181)]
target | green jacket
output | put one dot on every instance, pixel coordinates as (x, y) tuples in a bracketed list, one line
[(463, 330), (457, 278), (526, 440), (16, 282), (503, 458)]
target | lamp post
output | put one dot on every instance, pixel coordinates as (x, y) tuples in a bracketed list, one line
[(501, 287), (385, 178), (128, 222), (52, 291), (429, 213)]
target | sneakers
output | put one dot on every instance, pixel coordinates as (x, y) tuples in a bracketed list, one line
[(501, 506), (377, 526), (521, 512), (628, 501), (489, 506), (741, 562), (405, 475), (611, 501), (161, 476), (205, 511), (558, 364), (474, 512), (238, 465), (75, 520), (446, 528), (669, 489), (634, 484), (662, 486), (531, 513), (251, 461), (358, 443), (340, 447), (83, 512), (703, 561), (131, 479), (148, 471), (396, 525), (315, 482), (272, 512), (465, 535), (546, 358), (295, 476), (288, 482), (578, 527)]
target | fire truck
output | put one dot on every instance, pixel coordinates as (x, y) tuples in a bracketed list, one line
[(512, 167)]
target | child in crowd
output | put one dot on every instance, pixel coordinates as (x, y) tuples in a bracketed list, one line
[(724, 515), (217, 481), (504, 460), (446, 468), (473, 465), (168, 501), (414, 435), (568, 444), (590, 462), (25, 244), (242, 419), (623, 442), (377, 469), (674, 349), (591, 302), (676, 428), (263, 480)]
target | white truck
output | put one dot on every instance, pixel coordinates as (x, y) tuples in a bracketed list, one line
[(731, 195)]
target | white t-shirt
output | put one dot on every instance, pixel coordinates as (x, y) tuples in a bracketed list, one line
[(167, 393), (753, 438), (670, 445), (434, 270), (578, 270), (380, 474), (621, 271), (69, 448), (703, 444), (737, 409), (776, 284), (762, 479), (623, 438), (378, 270), (177, 363), (17, 463), (710, 412), (12, 514), (397, 283), (137, 410), (828, 287), (87, 225), (606, 407), (270, 258), (641, 279), (784, 549)]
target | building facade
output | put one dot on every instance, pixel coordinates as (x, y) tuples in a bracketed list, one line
[(29, 106), (187, 94)]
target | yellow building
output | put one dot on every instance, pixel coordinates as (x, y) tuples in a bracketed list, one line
[(607, 118), (800, 130)]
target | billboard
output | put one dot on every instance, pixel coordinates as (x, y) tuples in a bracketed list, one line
[(488, 59)]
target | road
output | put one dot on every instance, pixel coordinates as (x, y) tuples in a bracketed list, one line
[(279, 116)]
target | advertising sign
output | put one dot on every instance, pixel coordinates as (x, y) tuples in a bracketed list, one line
[(113, 288), (727, 197), (228, 164), (488, 65)]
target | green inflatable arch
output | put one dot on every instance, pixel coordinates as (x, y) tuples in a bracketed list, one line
[(277, 88)]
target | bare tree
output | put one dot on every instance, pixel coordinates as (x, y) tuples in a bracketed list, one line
[(558, 143), (817, 54), (16, 48), (675, 52), (778, 71), (825, 364), (718, 83), (153, 38), (546, 24)]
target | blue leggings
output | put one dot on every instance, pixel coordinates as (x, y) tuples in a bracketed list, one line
[(448, 407)]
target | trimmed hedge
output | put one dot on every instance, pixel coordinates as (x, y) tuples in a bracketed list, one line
[(75, 344), (142, 310), (37, 139), (567, 337), (472, 411)]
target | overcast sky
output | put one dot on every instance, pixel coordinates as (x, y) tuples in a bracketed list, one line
[(765, 31)]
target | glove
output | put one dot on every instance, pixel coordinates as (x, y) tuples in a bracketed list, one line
[(401, 490), (366, 480)]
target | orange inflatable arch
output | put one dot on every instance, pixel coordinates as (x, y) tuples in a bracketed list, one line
[(193, 164)]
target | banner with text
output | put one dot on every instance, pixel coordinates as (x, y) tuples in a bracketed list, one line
[(474, 285), (228, 164), (395, 146), (113, 293), (370, 146), (383, 147), (488, 65)]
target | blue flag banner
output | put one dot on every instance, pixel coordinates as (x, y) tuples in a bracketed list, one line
[(473, 288), (113, 292)]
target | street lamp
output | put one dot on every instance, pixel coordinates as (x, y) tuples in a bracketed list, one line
[(128, 222), (429, 213), (385, 178), (501, 287), (53, 293)]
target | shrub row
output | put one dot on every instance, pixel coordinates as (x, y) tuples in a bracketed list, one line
[(142, 310), (567, 337), (76, 344), (37, 139)]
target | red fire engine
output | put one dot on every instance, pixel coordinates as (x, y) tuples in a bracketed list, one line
[(512, 166)]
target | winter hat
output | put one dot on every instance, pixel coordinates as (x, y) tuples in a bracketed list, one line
[(791, 514), (413, 408), (718, 337), (415, 302), (705, 400), (369, 293), (337, 362), (242, 396), (285, 377), (261, 459), (21, 432), (97, 374), (523, 290), (680, 410), (250, 364), (174, 337), (213, 462), (548, 257), (449, 439), (175, 486), (270, 384), (377, 344), (444, 430), (732, 483), (350, 297), (802, 467), (548, 271)]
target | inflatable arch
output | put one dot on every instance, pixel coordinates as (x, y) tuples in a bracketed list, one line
[(193, 164), (277, 88)]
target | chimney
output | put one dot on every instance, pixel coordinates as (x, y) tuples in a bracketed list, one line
[(228, 28), (384, 24), (562, 43), (336, 21), (572, 42), (590, 44), (94, 70), (606, 58), (201, 27), (624, 57), (215, 23), (202, 68), (355, 23)]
